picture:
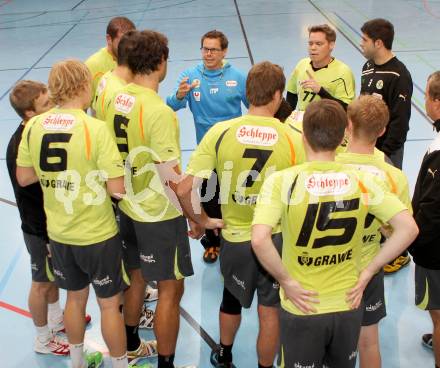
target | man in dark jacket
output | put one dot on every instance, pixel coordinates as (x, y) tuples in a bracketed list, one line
[(386, 77), (426, 206)]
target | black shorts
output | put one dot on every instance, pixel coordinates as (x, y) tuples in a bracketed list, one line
[(41, 262), (323, 340), (374, 301), (427, 288), (160, 249), (243, 274), (100, 264)]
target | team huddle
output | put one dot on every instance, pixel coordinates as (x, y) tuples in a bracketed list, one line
[(302, 198)]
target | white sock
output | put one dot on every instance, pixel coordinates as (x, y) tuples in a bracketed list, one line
[(43, 334), (121, 362), (54, 314), (77, 356)]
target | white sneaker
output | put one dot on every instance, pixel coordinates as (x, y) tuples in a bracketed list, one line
[(151, 294), (147, 349), (147, 318), (56, 346)]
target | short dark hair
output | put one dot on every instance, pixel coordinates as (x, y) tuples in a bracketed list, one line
[(263, 80), (150, 50), (217, 35), (24, 94), (330, 34), (119, 24), (380, 29), (128, 41), (369, 116), (434, 85), (324, 125)]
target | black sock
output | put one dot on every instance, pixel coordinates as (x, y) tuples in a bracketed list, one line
[(225, 353), (264, 366), (133, 339), (165, 361)]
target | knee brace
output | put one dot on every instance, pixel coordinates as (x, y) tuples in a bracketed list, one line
[(230, 304)]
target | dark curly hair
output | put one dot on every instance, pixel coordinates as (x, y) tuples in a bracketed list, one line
[(149, 51)]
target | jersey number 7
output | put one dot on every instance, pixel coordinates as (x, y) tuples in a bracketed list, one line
[(261, 157)]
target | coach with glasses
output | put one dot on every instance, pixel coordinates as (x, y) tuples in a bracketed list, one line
[(214, 91)]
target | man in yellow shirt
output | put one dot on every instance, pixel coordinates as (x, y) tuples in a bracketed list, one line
[(322, 206), (243, 151), (77, 164), (368, 117), (115, 79), (152, 226), (320, 75), (105, 59)]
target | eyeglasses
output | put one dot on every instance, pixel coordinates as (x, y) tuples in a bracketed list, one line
[(207, 50)]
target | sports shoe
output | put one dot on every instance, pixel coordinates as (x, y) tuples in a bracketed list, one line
[(397, 264), (147, 349), (56, 346), (427, 340), (211, 251), (215, 362), (61, 329), (94, 360), (147, 318), (151, 294)]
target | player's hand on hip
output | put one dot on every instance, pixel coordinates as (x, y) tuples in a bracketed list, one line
[(302, 298), (184, 88), (214, 224), (195, 230), (354, 296)]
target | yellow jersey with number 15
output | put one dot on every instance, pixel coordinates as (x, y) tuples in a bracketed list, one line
[(322, 208)]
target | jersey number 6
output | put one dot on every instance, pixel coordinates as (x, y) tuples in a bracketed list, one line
[(47, 153)]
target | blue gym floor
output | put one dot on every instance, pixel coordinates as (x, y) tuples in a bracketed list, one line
[(35, 34)]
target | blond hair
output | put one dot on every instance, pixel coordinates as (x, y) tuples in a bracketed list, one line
[(369, 116), (68, 79)]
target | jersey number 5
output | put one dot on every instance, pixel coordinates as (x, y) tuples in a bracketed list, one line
[(47, 153), (324, 222), (120, 124)]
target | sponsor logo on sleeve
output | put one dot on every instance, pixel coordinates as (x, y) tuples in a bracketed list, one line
[(124, 103), (231, 83), (196, 95), (61, 122), (257, 135), (328, 184)]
